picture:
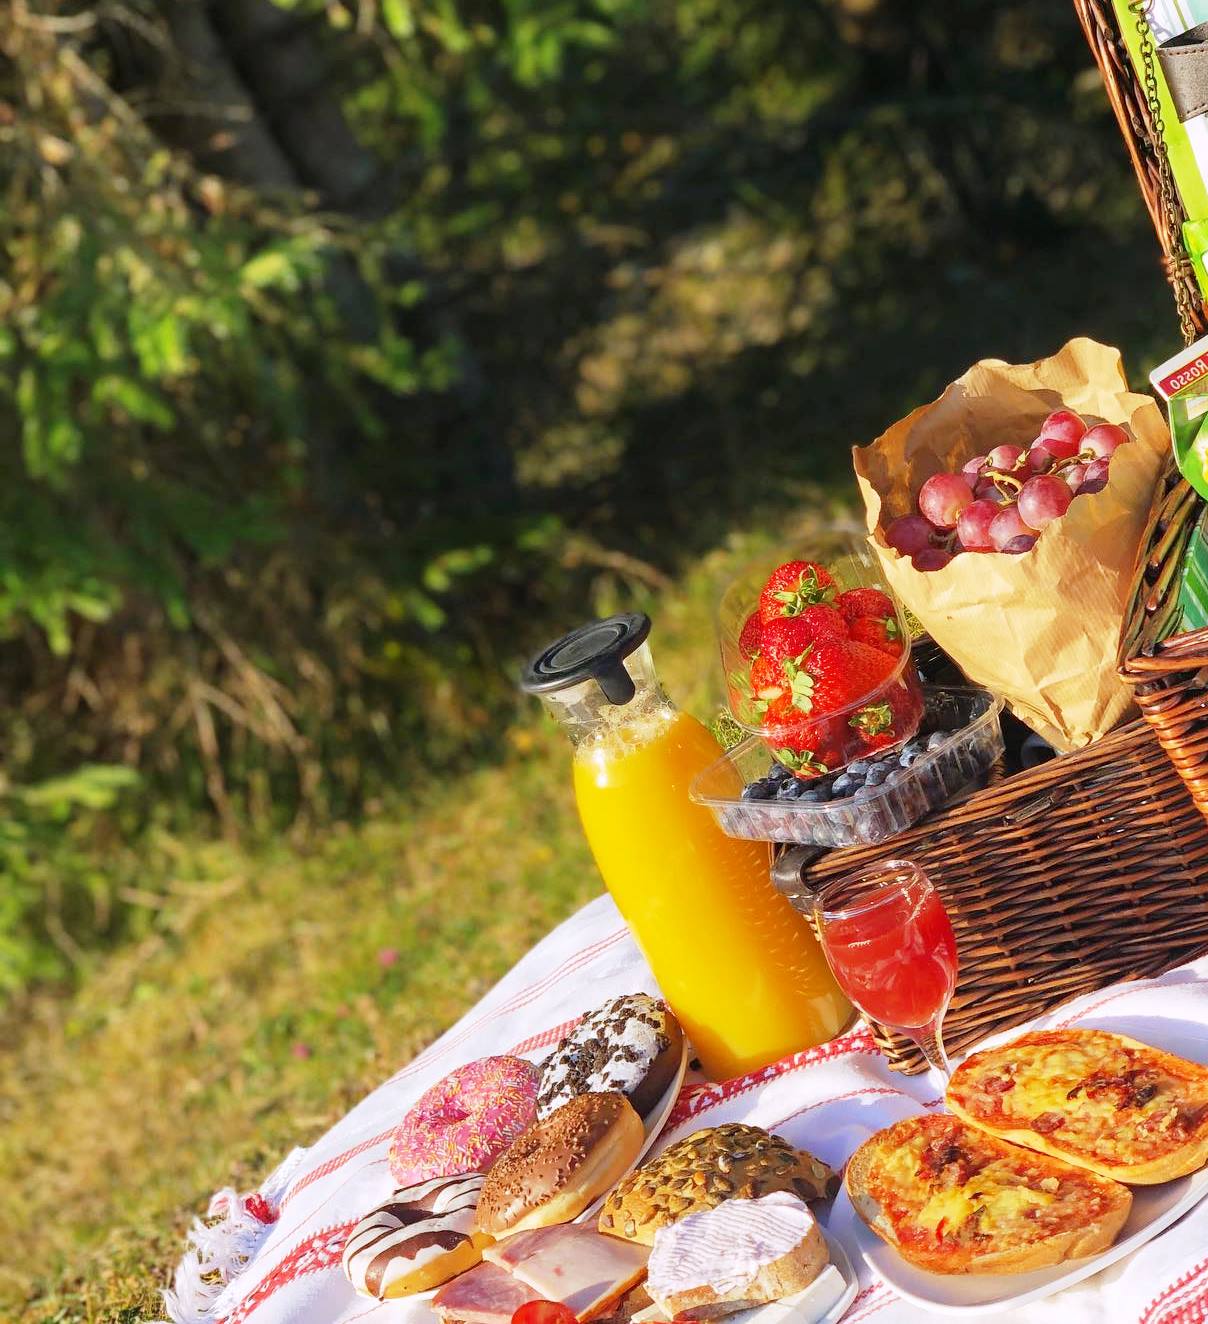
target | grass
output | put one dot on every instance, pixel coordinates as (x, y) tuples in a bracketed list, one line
[(287, 983)]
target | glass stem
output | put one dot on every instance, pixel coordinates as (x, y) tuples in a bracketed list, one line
[(930, 1039)]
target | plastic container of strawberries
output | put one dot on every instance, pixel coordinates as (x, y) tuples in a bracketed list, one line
[(816, 743), (961, 763)]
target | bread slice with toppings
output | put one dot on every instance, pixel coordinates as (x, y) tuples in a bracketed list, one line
[(1104, 1102), (952, 1199)]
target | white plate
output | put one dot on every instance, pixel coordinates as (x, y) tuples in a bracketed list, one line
[(843, 1264), (1154, 1208)]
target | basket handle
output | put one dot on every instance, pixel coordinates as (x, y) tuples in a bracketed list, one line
[(1171, 208)]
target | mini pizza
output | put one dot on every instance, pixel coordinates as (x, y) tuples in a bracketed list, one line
[(952, 1199), (1107, 1103)]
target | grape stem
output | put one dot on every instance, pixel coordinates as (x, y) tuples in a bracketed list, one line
[(1005, 482)]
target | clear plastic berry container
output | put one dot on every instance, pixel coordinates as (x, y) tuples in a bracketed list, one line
[(809, 735), (962, 724)]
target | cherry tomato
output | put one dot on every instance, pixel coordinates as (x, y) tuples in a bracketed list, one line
[(544, 1312)]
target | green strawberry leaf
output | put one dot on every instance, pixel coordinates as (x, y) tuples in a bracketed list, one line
[(801, 760), (874, 720)]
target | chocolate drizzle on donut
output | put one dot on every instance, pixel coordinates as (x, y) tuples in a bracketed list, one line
[(408, 1230)]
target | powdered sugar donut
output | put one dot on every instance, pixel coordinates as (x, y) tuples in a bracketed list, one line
[(464, 1122), (632, 1044)]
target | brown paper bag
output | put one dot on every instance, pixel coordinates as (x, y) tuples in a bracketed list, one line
[(1040, 629)]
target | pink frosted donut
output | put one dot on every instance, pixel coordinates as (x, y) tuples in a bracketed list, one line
[(464, 1122)]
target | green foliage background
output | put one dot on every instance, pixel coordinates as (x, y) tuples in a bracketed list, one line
[(349, 346)]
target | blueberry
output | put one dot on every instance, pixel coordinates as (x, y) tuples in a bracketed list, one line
[(813, 796), (790, 790), (760, 790), (896, 776), (864, 793), (909, 757), (823, 791), (858, 768), (877, 774), (842, 785), (778, 773), (936, 739)]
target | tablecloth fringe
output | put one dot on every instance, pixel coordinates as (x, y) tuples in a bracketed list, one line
[(220, 1246)]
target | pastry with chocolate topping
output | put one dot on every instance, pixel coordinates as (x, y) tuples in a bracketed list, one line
[(706, 1168), (421, 1237), (563, 1162), (632, 1044)]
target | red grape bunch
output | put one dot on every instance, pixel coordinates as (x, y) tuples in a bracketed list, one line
[(1000, 501)]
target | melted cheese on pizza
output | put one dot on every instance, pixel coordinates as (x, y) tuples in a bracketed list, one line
[(947, 1187), (1088, 1092)]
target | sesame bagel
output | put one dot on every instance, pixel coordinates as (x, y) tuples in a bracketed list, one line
[(563, 1162)]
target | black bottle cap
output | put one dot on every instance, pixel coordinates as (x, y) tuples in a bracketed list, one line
[(592, 652)]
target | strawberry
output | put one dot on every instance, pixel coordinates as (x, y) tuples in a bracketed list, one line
[(770, 691), (876, 723), (835, 673), (888, 720), (877, 633), (808, 748), (794, 586), (749, 636), (857, 602), (789, 636)]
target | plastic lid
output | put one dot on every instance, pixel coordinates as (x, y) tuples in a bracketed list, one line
[(595, 651)]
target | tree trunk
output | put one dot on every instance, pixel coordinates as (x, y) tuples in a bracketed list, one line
[(223, 130), (286, 71)]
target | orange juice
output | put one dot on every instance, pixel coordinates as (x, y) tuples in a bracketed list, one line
[(739, 966)]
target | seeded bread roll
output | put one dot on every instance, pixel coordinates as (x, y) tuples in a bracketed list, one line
[(563, 1162), (632, 1045), (706, 1168)]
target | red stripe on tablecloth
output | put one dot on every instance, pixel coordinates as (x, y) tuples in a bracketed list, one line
[(1192, 1310), (1155, 1312), (1140, 986), (545, 1039), (695, 1099), (319, 1252), (568, 967), (852, 1094), (521, 999), (874, 1298)]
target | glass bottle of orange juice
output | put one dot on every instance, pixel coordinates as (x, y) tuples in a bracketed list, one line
[(739, 966)]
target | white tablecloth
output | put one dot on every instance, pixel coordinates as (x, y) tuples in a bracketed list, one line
[(275, 1256)]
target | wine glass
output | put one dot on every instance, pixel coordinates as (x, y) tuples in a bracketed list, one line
[(889, 942)]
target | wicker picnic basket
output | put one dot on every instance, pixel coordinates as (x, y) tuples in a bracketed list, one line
[(1084, 871), (1092, 868)]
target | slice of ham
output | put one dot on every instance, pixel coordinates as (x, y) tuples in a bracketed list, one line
[(573, 1264), (485, 1295)]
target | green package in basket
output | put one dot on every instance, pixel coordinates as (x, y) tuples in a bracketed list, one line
[(1182, 381), (1189, 436), (1193, 582)]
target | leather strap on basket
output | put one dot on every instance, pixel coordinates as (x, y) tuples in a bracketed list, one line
[(1184, 61), (1170, 206)]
